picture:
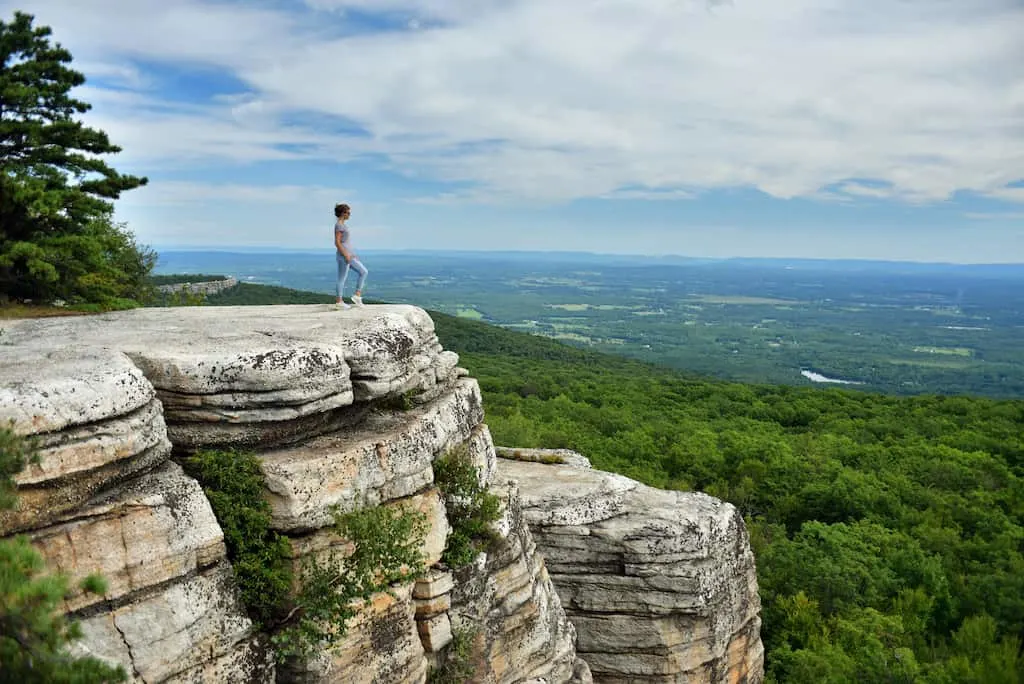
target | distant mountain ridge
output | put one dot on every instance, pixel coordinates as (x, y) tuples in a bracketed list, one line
[(1015, 270)]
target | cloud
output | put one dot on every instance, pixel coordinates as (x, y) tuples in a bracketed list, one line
[(1009, 193), (995, 215), (180, 193), (553, 101)]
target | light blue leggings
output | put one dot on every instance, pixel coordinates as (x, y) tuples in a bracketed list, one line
[(343, 268)]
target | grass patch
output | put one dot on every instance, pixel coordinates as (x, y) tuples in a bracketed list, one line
[(949, 351), (738, 299), (400, 402), (937, 361), (15, 311), (469, 312)]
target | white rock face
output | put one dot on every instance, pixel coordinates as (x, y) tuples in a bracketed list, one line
[(506, 603), (149, 531), (170, 612), (660, 585), (254, 376), (388, 455), (95, 421), (180, 628), (45, 390)]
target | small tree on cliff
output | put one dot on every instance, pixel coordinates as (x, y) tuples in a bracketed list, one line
[(57, 237)]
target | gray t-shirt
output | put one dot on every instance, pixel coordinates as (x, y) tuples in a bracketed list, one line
[(343, 229)]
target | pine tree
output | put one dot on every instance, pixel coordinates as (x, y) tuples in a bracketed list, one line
[(57, 237)]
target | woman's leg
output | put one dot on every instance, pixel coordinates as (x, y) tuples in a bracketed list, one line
[(342, 276), (362, 271)]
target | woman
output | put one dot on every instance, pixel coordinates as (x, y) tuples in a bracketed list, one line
[(346, 257)]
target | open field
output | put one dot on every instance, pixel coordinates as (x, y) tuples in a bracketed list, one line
[(719, 299)]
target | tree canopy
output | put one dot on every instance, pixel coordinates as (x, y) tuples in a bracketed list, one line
[(57, 235), (888, 531)]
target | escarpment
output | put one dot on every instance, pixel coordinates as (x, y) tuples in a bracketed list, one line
[(343, 411), (660, 585)]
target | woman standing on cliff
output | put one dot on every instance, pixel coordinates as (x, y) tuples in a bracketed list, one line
[(346, 257)]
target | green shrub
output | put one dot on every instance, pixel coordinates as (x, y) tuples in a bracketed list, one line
[(457, 666), (233, 483), (470, 508), (15, 453), (387, 544), (400, 402)]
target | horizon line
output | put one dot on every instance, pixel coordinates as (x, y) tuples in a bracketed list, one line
[(242, 249)]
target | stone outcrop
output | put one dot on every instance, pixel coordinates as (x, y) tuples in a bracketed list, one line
[(103, 497), (660, 585), (95, 421), (344, 410), (205, 287)]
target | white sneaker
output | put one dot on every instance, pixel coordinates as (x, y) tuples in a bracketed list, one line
[(340, 306), (357, 300)]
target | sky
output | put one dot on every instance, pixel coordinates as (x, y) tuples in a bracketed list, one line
[(879, 129)]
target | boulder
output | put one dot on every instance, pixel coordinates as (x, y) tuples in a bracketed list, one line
[(94, 420)]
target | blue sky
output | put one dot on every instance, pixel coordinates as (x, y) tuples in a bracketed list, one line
[(807, 128)]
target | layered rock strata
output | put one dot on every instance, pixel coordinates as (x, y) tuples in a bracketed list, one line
[(93, 417), (258, 376), (344, 409), (505, 603), (660, 585)]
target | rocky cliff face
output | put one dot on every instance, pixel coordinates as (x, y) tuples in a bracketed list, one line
[(660, 585), (111, 398)]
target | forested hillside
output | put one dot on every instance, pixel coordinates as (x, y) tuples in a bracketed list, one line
[(887, 530)]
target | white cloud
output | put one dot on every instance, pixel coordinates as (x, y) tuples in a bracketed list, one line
[(179, 193), (581, 98), (995, 215), (1009, 194)]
